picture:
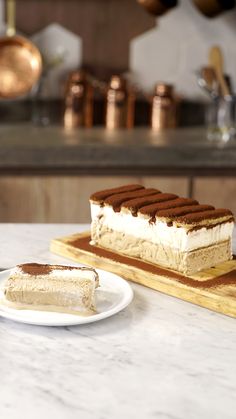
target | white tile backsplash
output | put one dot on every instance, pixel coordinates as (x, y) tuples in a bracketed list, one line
[(2, 23), (1, 11), (62, 50), (179, 45)]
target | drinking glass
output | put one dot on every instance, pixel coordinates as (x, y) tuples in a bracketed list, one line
[(221, 119)]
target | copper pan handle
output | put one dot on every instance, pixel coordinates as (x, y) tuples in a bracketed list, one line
[(11, 15)]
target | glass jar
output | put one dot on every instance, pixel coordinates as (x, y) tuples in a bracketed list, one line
[(221, 119)]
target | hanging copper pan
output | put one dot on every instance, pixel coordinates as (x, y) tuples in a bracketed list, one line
[(20, 61), (158, 7)]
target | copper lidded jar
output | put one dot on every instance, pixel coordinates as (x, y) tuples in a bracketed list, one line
[(78, 101), (163, 112), (119, 104)]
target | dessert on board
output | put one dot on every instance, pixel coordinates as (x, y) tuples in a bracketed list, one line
[(161, 228)]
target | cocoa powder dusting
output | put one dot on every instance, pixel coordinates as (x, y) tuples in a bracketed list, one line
[(189, 209), (150, 210), (118, 199), (35, 269), (208, 227), (205, 215), (134, 204), (101, 195), (226, 279), (44, 269)]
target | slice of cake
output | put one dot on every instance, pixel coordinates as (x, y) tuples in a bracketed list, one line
[(177, 233), (51, 288)]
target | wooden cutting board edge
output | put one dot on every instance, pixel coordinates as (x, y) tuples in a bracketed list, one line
[(198, 296)]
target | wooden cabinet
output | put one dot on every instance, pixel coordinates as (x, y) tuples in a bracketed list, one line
[(65, 199), (218, 191)]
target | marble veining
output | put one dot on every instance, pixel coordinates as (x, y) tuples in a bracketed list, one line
[(159, 358)]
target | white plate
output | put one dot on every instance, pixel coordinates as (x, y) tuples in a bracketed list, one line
[(113, 295)]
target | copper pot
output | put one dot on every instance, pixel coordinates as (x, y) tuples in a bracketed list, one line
[(20, 60), (158, 7), (212, 8)]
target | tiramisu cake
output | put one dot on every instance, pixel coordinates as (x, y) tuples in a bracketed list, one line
[(162, 228), (51, 288)]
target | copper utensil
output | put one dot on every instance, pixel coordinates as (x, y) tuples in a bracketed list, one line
[(209, 75), (212, 8), (164, 108), (157, 7), (216, 61), (120, 100), (79, 97), (20, 60)]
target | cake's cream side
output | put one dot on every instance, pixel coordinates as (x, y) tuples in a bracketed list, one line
[(67, 290), (186, 262), (159, 232)]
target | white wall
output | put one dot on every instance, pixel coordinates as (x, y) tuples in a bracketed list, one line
[(1, 14), (179, 45)]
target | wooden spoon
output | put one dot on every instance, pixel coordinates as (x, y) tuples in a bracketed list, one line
[(216, 61)]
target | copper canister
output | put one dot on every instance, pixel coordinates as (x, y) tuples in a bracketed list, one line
[(119, 104), (78, 101), (163, 112)]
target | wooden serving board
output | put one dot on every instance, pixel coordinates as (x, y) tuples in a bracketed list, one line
[(213, 288)]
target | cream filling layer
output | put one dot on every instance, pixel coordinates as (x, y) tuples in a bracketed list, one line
[(159, 232)]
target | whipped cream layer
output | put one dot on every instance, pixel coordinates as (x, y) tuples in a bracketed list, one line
[(159, 232)]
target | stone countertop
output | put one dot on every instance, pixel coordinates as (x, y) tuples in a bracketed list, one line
[(159, 358), (25, 148)]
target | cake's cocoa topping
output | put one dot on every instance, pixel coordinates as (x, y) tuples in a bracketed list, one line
[(153, 203), (117, 200), (173, 213), (135, 204), (208, 227), (43, 269), (35, 269), (151, 210), (101, 195), (205, 215)]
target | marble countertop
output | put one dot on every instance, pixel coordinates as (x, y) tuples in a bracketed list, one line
[(159, 358), (25, 148)]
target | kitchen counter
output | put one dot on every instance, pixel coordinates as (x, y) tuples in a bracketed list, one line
[(26, 149), (159, 358)]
